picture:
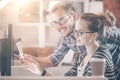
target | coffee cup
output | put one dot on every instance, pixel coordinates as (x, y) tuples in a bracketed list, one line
[(97, 66)]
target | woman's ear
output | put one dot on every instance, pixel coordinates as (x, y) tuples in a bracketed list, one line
[(95, 35)]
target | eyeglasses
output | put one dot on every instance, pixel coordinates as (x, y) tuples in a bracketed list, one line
[(60, 21), (81, 33)]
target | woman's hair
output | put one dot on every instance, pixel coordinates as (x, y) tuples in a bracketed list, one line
[(108, 20), (94, 23), (99, 23), (109, 17)]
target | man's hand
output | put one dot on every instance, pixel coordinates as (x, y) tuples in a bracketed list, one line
[(29, 63)]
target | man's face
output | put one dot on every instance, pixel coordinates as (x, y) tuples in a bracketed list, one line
[(62, 21)]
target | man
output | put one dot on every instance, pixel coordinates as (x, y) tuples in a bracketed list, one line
[(64, 18)]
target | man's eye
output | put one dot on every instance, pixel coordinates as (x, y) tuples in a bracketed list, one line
[(61, 19), (55, 22)]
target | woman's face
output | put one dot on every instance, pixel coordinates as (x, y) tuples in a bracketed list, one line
[(84, 34)]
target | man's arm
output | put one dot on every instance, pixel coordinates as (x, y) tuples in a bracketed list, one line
[(44, 62), (57, 55)]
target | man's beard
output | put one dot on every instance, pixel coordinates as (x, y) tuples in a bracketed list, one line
[(71, 25)]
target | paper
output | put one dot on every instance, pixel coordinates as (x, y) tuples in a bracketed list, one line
[(80, 71)]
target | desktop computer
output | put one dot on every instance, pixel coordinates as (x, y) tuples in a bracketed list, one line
[(6, 49)]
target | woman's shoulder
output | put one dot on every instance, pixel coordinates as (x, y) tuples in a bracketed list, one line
[(103, 49), (102, 52)]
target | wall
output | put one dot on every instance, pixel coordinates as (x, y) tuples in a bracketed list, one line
[(27, 32), (32, 33)]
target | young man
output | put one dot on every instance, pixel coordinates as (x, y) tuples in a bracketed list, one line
[(63, 19)]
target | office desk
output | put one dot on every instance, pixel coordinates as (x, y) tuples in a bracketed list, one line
[(50, 78), (19, 73)]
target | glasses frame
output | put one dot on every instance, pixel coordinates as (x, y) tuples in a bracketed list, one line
[(81, 33), (61, 20)]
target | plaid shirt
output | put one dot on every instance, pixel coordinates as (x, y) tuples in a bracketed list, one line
[(64, 45), (113, 44)]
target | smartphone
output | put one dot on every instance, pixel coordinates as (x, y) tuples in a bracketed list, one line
[(20, 49)]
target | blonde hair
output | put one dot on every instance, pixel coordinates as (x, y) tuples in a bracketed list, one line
[(109, 18), (67, 6)]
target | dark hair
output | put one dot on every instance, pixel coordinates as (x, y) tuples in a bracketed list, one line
[(95, 24), (99, 23)]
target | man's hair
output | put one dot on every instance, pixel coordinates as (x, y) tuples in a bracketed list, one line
[(67, 6)]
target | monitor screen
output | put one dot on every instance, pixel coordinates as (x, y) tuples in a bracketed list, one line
[(6, 49)]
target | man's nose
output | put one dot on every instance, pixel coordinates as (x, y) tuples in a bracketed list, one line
[(59, 25), (78, 38), (76, 34)]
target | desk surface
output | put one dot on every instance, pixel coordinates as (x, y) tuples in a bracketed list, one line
[(49, 78)]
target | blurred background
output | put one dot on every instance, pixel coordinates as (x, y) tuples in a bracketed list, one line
[(30, 20)]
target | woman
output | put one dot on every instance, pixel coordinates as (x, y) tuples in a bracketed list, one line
[(90, 25)]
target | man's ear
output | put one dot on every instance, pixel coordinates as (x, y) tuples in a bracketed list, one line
[(74, 16)]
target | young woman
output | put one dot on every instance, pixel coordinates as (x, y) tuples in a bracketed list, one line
[(89, 27)]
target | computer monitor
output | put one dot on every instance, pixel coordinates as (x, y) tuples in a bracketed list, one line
[(6, 49)]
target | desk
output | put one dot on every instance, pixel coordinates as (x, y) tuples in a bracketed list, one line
[(50, 78), (19, 73)]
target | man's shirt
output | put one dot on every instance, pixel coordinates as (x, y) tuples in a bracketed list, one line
[(63, 46), (113, 44)]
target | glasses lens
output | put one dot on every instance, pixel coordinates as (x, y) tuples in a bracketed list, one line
[(63, 20), (80, 33), (60, 21), (54, 23)]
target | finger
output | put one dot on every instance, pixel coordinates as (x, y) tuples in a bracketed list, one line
[(25, 65)]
